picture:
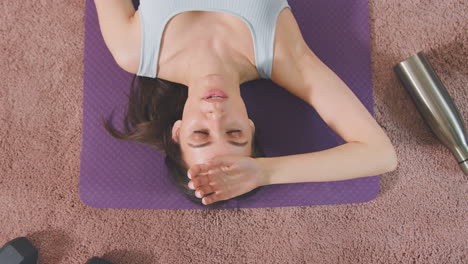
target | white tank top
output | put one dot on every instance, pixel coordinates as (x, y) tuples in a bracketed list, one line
[(259, 15)]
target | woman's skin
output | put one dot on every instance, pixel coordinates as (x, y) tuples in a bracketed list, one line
[(217, 53), (216, 124), (209, 130)]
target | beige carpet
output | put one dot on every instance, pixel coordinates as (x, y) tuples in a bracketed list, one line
[(420, 216)]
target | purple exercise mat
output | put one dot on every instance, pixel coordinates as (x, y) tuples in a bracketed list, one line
[(120, 174)]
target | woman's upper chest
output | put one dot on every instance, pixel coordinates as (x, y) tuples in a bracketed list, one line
[(198, 31), (189, 30)]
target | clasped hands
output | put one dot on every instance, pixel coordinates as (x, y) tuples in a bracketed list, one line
[(226, 177)]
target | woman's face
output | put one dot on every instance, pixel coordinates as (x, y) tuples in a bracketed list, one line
[(213, 127)]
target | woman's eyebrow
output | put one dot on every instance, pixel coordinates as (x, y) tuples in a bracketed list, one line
[(209, 143)]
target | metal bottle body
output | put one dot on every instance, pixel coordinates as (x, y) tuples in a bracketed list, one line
[(435, 105)]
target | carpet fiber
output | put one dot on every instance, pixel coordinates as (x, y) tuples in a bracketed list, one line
[(418, 217)]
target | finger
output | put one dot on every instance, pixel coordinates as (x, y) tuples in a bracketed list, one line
[(220, 161), (225, 162), (215, 177), (216, 197), (204, 190), (197, 169), (198, 181)]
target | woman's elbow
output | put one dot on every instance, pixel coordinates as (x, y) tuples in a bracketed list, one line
[(392, 159)]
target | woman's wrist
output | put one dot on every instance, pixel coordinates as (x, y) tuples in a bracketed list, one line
[(265, 171)]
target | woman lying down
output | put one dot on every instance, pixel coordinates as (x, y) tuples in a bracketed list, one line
[(190, 58)]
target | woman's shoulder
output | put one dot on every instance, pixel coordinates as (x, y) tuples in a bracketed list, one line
[(289, 47), (120, 28), (130, 57)]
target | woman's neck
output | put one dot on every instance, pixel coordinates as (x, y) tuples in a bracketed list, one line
[(213, 66)]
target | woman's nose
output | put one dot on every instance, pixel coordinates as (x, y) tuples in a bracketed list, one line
[(215, 113)]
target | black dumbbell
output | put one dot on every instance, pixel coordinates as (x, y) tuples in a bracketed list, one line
[(18, 251), (21, 251)]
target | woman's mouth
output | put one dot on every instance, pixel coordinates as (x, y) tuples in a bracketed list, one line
[(215, 99), (215, 94)]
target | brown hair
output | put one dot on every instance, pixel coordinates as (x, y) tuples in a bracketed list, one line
[(154, 105)]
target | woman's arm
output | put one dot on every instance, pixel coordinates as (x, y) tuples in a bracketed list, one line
[(114, 10), (368, 150), (344, 162), (119, 29), (230, 176)]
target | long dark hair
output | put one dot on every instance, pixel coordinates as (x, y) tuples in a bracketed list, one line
[(154, 105)]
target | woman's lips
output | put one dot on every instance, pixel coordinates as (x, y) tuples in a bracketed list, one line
[(214, 100), (215, 92)]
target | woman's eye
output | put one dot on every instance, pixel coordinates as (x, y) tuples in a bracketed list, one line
[(234, 132)]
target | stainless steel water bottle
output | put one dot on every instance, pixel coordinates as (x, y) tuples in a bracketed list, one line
[(435, 105)]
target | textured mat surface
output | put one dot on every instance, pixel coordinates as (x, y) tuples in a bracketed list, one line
[(118, 174)]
